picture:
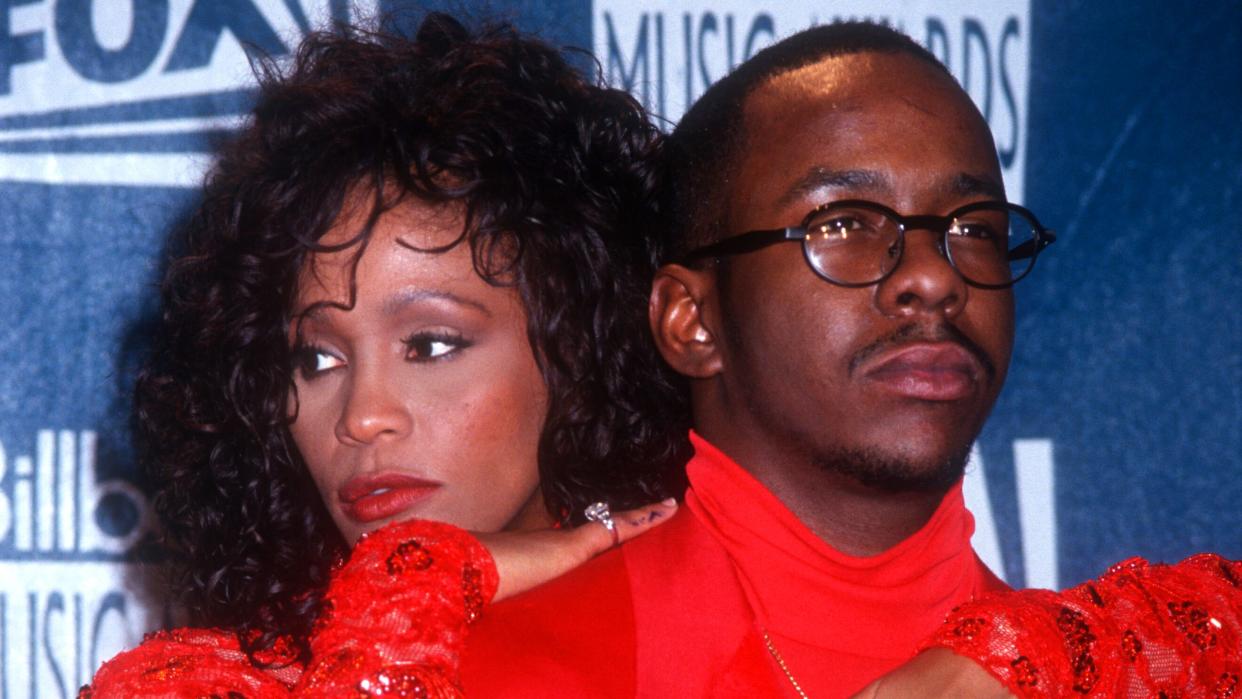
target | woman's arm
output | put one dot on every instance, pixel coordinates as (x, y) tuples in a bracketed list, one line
[(186, 664), (397, 613), (395, 621), (1138, 630)]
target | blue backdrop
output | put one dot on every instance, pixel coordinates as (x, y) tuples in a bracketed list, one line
[(1119, 432)]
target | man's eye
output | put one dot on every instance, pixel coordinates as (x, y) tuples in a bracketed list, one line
[(970, 229), (840, 224), (426, 347), (846, 225)]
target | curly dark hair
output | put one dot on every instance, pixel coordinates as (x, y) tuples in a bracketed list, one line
[(556, 180)]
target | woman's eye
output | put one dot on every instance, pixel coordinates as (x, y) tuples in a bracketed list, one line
[(426, 347), (312, 361)]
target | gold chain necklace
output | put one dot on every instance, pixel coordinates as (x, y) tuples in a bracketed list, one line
[(776, 655)]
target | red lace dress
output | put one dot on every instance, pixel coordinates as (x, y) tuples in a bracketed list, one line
[(1141, 630), (393, 625)]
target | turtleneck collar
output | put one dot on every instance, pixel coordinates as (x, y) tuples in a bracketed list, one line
[(803, 589)]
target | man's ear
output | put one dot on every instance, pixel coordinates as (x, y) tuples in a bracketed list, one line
[(684, 332)]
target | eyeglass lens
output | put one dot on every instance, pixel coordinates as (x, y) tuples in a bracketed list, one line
[(853, 244)]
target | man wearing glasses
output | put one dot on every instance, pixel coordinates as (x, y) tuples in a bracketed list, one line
[(840, 303)]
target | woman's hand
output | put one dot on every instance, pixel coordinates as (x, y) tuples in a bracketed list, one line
[(527, 559), (937, 672)]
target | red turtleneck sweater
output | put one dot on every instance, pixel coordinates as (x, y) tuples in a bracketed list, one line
[(681, 611)]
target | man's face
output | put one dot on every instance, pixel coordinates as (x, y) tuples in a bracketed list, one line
[(890, 383)]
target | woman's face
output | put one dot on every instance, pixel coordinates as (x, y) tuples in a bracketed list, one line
[(423, 400)]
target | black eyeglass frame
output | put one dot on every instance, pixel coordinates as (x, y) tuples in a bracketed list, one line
[(751, 241)]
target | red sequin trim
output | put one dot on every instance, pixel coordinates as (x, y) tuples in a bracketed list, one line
[(392, 624), (1139, 630)]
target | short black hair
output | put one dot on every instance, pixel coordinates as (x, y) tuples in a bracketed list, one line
[(704, 147)]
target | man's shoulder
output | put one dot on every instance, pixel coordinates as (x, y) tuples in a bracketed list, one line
[(599, 589), (558, 635), (579, 633), (602, 585)]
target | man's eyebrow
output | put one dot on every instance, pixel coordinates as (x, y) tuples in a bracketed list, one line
[(968, 185), (398, 301), (817, 178)]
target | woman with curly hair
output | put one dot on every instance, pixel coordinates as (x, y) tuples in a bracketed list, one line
[(415, 289)]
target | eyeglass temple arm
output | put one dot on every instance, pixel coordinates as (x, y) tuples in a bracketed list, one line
[(1034, 246), (747, 242)]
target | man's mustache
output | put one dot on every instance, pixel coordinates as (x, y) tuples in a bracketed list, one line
[(908, 334)]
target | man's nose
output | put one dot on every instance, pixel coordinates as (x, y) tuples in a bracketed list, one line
[(924, 282), (374, 409)]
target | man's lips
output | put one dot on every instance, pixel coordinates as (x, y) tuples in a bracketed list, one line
[(380, 496), (938, 371)]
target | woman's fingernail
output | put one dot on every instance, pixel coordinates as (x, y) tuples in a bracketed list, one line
[(671, 502)]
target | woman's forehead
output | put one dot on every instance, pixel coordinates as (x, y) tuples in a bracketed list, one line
[(427, 224), (412, 251)]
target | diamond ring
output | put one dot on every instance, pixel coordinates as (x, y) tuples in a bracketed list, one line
[(598, 512)]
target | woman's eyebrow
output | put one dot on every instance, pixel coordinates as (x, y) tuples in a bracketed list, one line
[(398, 301), (316, 312)]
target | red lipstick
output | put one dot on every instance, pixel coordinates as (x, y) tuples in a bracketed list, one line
[(378, 496), (932, 372)]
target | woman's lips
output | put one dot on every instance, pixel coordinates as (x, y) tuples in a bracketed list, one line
[(375, 497), (932, 372)]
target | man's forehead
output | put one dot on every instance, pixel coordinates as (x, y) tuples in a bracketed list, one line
[(822, 78), (886, 126), (880, 184), (852, 82), (857, 94)]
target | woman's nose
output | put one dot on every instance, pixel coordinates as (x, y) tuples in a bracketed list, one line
[(372, 411)]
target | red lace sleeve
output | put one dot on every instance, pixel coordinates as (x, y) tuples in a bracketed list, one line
[(393, 625), (395, 616), (1140, 630), (186, 664)]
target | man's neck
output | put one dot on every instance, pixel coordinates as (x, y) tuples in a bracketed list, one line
[(852, 518)]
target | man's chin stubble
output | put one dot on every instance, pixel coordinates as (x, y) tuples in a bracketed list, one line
[(888, 474)]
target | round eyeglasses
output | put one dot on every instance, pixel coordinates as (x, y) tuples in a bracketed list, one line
[(991, 244)]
